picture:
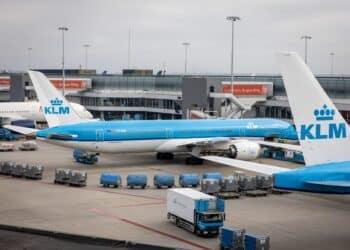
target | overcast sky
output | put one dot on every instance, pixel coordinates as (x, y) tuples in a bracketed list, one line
[(158, 28)]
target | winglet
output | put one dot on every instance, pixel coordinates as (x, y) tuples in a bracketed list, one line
[(56, 108), (322, 131)]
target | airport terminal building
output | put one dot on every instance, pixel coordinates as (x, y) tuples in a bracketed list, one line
[(138, 94)]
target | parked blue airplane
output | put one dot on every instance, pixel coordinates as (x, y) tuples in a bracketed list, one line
[(239, 138)]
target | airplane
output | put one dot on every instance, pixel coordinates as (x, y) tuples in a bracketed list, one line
[(14, 111), (322, 131), (239, 138)]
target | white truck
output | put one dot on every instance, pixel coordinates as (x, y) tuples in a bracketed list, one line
[(195, 211)]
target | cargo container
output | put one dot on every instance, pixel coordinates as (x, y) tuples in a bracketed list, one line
[(229, 184), (210, 186), (298, 157), (18, 170), (186, 180), (263, 182), (85, 157), (6, 147), (136, 180), (247, 183), (110, 179), (28, 146), (195, 211), (217, 176), (232, 238), (34, 172), (238, 174), (7, 167), (256, 242), (77, 178), (293, 156), (161, 180), (62, 175)]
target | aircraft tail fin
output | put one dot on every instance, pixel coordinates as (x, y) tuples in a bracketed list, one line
[(56, 108), (322, 131)]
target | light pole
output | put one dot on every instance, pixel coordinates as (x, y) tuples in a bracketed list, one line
[(332, 62), (29, 57), (86, 46), (129, 47), (186, 44), (306, 38), (63, 29), (233, 19)]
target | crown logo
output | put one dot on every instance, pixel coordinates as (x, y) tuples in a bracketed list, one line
[(324, 114), (56, 102)]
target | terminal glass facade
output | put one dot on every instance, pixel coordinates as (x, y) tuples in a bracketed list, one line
[(133, 97)]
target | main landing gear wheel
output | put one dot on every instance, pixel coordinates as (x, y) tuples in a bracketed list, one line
[(165, 156)]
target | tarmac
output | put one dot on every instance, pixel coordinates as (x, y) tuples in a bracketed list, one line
[(293, 221)]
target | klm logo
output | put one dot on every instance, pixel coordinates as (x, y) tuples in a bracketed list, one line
[(318, 132), (56, 108), (251, 125)]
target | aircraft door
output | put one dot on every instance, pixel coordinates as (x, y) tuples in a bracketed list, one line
[(99, 135), (169, 133), (242, 132)]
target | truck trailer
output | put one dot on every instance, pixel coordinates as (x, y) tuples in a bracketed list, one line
[(195, 211)]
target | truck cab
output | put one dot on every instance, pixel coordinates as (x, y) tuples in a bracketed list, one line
[(209, 216), (209, 222)]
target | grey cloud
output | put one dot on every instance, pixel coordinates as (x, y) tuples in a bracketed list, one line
[(160, 26)]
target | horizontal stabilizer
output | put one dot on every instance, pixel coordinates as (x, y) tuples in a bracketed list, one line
[(245, 165), (20, 130), (339, 187), (345, 184)]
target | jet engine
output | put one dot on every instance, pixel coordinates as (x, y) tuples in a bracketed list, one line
[(244, 150)]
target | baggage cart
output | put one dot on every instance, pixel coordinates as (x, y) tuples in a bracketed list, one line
[(110, 179), (77, 178), (161, 180)]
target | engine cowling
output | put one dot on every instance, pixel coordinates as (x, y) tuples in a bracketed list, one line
[(244, 150)]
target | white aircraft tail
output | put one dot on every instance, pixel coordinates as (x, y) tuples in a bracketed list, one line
[(56, 108), (322, 131)]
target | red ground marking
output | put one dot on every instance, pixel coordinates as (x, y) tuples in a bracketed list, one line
[(103, 213), (139, 204), (128, 194)]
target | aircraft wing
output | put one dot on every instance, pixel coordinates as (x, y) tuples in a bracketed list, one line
[(20, 130), (196, 144), (169, 145), (245, 165), (287, 146)]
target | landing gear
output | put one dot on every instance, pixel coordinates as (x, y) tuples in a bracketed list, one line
[(191, 160), (165, 156)]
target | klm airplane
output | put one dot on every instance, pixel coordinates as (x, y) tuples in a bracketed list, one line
[(238, 138), (322, 131)]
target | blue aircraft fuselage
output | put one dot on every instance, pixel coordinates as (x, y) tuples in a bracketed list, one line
[(171, 129)]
